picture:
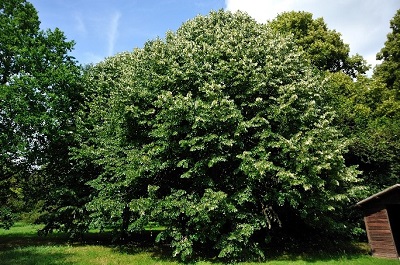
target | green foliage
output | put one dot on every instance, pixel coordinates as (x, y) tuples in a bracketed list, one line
[(368, 111), (379, 143), (222, 133), (6, 217), (39, 94), (388, 70), (226, 132), (368, 115), (17, 25), (324, 47)]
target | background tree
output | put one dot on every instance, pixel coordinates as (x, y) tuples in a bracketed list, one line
[(109, 135), (324, 47), (39, 94), (222, 133), (367, 116), (368, 113), (367, 107), (377, 125), (17, 26), (389, 70)]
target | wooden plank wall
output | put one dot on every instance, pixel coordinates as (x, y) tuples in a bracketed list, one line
[(380, 234)]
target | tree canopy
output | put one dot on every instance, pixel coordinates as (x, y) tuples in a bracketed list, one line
[(221, 133), (389, 69), (39, 91), (230, 134), (324, 47)]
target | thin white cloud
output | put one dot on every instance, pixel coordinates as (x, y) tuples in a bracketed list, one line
[(113, 32), (363, 24), (80, 24), (90, 57)]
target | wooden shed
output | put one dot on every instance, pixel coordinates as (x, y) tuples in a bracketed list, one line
[(382, 222)]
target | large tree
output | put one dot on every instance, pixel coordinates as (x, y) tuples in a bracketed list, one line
[(389, 69), (221, 133), (376, 143), (39, 94), (368, 113), (323, 46)]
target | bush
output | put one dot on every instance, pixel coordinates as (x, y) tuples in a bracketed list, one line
[(221, 133)]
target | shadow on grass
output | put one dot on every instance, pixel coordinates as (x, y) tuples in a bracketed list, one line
[(13, 241), (323, 252), (307, 252), (20, 248), (144, 241), (29, 256), (27, 248), (21, 240)]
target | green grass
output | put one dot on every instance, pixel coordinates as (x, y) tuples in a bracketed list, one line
[(21, 246), (82, 255), (20, 228)]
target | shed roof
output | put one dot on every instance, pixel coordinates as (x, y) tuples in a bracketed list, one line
[(379, 194)]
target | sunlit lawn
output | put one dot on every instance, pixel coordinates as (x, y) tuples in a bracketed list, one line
[(21, 246)]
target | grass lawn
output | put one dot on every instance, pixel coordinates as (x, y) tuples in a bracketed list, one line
[(21, 246)]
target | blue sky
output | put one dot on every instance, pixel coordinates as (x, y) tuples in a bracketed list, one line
[(102, 28)]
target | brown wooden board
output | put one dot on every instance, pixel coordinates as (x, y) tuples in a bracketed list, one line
[(381, 217)]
